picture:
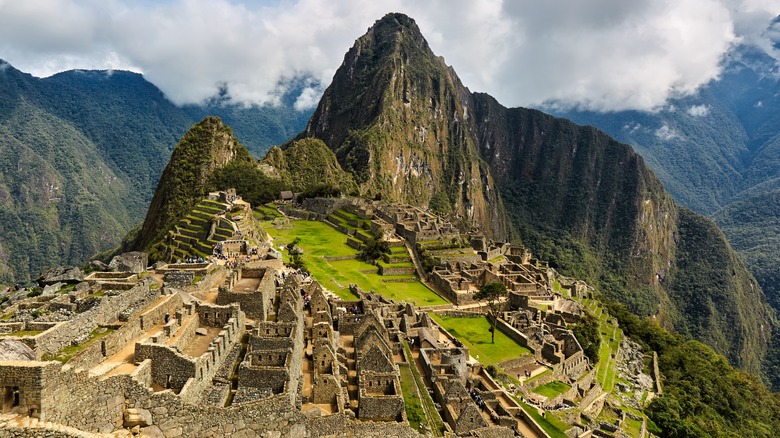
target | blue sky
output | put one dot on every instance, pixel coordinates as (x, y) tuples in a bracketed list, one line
[(598, 54)]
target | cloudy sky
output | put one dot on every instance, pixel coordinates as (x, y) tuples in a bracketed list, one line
[(597, 54)]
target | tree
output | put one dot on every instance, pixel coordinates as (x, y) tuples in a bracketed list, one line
[(296, 256), (374, 248), (495, 294)]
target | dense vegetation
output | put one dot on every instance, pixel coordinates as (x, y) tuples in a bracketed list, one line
[(250, 182), (587, 334), (703, 396), (307, 165)]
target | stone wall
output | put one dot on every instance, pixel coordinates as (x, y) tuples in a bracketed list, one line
[(255, 304), (404, 270), (126, 333), (514, 334), (179, 278), (382, 407), (96, 405), (107, 311)]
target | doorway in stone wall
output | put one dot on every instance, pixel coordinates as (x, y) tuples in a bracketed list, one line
[(11, 397)]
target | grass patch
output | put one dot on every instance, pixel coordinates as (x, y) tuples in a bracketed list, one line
[(475, 334), (266, 212), (319, 239), (68, 353), (395, 264), (550, 423), (632, 427), (552, 389), (414, 410)]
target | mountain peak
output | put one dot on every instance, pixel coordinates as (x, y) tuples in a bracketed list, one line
[(396, 116), (208, 146)]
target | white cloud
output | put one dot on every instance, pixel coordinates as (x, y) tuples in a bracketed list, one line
[(601, 54), (699, 110), (666, 133)]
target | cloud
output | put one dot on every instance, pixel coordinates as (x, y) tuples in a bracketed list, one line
[(699, 110), (601, 54), (666, 133)]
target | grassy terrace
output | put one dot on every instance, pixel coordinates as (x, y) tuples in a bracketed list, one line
[(67, 353), (475, 334), (549, 422), (420, 408), (319, 240), (552, 389), (266, 212)]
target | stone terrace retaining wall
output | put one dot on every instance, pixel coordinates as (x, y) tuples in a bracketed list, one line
[(107, 311), (132, 329)]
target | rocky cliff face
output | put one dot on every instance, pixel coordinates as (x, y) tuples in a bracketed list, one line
[(591, 205), (397, 118), (206, 147), (401, 122)]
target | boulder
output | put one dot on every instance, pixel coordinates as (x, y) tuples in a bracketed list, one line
[(13, 350), (52, 289), (201, 331), (137, 417), (152, 432), (98, 265), (134, 261), (61, 274)]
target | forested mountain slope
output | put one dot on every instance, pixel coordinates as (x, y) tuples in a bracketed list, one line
[(80, 156)]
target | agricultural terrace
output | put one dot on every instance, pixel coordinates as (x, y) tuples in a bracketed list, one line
[(319, 240), (475, 334)]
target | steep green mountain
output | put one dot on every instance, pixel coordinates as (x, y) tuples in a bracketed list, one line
[(402, 123), (66, 164), (74, 144), (397, 118), (304, 164), (205, 148), (753, 227)]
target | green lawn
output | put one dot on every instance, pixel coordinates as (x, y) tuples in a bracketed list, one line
[(475, 334), (552, 389), (319, 239), (67, 353)]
